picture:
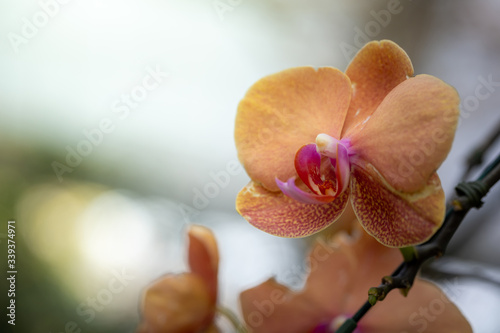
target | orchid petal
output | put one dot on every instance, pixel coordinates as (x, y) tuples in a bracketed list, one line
[(341, 271), (411, 132), (423, 295), (286, 311), (371, 260), (282, 112), (376, 69), (203, 257), (344, 268), (396, 219), (177, 303), (333, 264), (291, 190), (277, 214)]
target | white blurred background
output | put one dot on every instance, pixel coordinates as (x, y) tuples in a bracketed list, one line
[(155, 85)]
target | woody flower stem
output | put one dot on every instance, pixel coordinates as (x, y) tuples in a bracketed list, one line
[(468, 195)]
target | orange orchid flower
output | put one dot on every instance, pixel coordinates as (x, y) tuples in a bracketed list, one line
[(341, 272), (314, 139), (185, 303)]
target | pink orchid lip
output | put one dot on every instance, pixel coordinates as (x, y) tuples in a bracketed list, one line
[(290, 189), (324, 167)]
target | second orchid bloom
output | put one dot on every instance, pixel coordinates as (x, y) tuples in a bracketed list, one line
[(314, 140)]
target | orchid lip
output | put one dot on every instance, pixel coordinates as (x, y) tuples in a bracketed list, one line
[(323, 167), (291, 190)]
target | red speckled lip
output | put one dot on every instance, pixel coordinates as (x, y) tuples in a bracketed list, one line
[(317, 172)]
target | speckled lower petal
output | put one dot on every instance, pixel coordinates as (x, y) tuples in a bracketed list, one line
[(277, 214), (396, 219)]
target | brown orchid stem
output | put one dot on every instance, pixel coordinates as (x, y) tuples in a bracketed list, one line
[(468, 195)]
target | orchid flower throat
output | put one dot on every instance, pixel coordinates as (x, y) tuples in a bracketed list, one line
[(324, 167), (339, 153)]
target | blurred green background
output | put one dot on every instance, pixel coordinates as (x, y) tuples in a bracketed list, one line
[(116, 131)]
